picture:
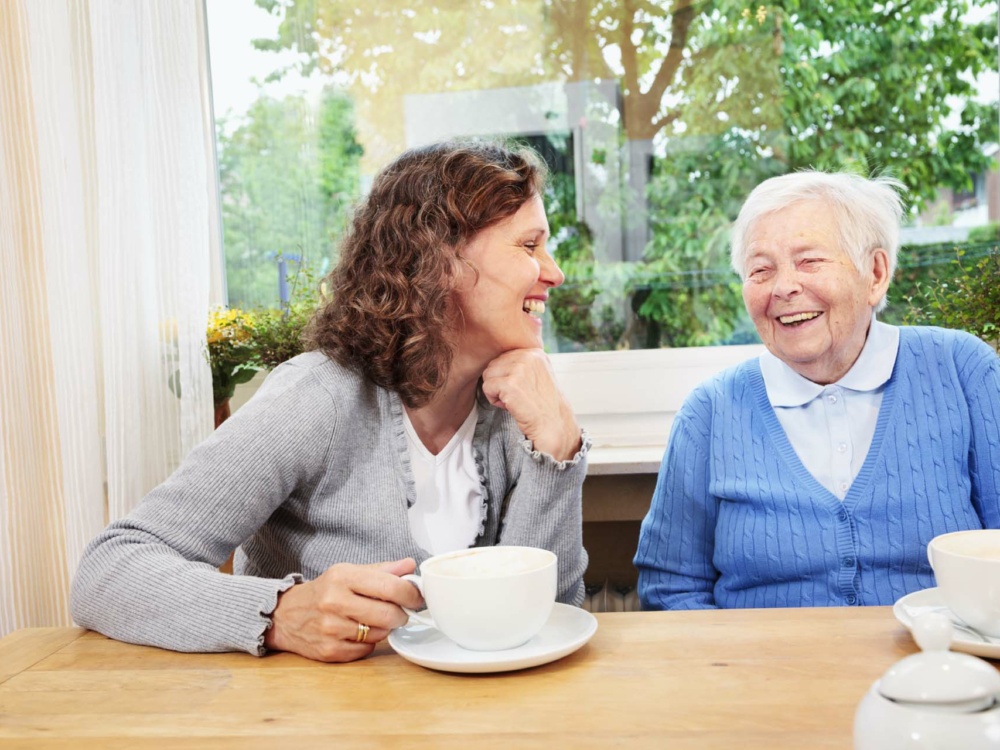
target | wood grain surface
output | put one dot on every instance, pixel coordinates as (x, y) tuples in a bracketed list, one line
[(740, 679)]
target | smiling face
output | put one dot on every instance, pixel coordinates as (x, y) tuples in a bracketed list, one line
[(811, 306), (502, 308)]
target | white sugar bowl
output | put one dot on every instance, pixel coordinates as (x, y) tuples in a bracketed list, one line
[(935, 699)]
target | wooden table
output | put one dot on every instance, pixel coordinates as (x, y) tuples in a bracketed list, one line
[(739, 679)]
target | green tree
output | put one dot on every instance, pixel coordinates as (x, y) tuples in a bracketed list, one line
[(384, 50), (723, 93), (865, 88), (289, 173)]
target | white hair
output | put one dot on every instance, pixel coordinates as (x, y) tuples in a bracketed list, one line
[(867, 213)]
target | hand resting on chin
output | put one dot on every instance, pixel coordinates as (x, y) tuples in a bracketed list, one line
[(521, 381)]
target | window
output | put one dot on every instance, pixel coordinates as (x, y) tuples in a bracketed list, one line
[(656, 119)]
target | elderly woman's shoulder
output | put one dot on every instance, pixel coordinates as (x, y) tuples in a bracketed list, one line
[(935, 341), (944, 350), (732, 384)]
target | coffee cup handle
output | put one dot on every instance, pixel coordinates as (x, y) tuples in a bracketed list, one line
[(418, 617)]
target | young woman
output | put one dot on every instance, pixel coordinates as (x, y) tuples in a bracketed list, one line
[(425, 419)]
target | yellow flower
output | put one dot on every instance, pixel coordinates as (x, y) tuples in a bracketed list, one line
[(231, 352), (233, 324)]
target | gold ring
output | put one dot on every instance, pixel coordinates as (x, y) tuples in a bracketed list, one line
[(362, 635)]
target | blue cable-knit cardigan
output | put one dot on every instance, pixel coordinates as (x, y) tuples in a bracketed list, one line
[(737, 521)]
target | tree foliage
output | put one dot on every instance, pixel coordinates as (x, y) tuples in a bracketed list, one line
[(383, 50), (807, 85), (727, 93), (969, 299), (289, 174)]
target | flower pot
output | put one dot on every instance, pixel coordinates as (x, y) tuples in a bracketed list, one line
[(221, 412)]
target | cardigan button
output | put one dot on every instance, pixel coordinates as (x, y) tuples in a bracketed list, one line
[(852, 599)]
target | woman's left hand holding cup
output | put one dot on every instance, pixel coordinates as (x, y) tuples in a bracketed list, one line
[(522, 382), (341, 615)]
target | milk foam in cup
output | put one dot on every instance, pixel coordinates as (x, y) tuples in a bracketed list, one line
[(487, 598), (967, 569)]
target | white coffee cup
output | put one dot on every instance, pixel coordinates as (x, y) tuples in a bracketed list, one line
[(487, 598), (967, 568)]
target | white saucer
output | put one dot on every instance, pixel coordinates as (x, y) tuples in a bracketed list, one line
[(567, 630), (910, 606)]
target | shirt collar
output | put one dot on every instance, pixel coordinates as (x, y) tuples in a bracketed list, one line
[(873, 368)]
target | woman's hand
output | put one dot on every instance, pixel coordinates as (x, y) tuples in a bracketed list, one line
[(521, 381), (320, 619)]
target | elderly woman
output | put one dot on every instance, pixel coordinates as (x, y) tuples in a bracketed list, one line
[(817, 473), (425, 420)]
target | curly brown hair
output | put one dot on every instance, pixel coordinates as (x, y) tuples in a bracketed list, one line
[(391, 310)]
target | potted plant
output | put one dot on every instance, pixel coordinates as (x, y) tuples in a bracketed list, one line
[(231, 355), (278, 331), (242, 343)]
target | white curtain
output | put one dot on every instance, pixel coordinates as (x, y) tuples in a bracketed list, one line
[(108, 234)]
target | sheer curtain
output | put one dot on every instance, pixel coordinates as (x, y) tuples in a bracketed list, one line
[(108, 229)]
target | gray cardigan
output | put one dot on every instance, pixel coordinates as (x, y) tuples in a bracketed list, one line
[(312, 471)]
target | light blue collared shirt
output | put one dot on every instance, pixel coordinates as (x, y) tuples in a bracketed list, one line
[(831, 426)]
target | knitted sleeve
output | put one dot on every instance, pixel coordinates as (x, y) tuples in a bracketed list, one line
[(677, 537), (151, 577), (982, 391), (544, 508)]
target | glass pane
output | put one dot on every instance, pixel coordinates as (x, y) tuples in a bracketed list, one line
[(656, 119)]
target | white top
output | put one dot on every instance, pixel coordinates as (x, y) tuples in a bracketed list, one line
[(448, 512), (831, 426)]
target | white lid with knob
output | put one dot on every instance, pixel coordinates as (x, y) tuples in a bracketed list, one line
[(938, 679)]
